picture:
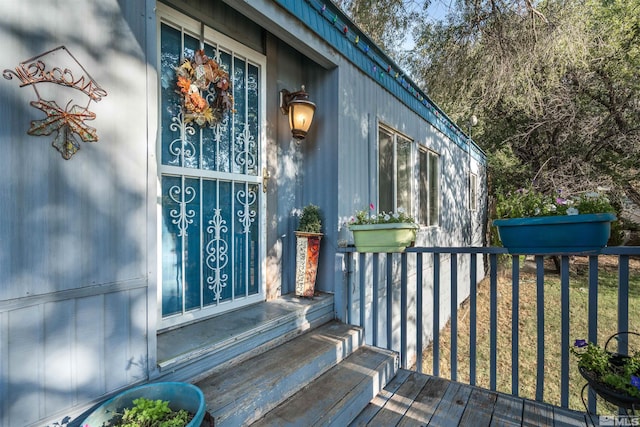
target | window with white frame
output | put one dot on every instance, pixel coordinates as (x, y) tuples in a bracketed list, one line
[(429, 187), (394, 171), (473, 192)]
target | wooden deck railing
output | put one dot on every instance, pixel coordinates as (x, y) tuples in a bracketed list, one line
[(406, 281)]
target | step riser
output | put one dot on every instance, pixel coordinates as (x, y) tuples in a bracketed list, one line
[(337, 397), (294, 375), (202, 363)]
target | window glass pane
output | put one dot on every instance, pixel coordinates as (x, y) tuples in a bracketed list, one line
[(423, 188), (434, 189), (171, 249), (385, 171), (403, 178), (473, 192), (239, 162), (169, 58)]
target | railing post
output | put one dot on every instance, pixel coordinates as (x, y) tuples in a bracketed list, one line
[(436, 314), (374, 303), (593, 314), (540, 328), (515, 319), (473, 315), (454, 316), (623, 302), (389, 321), (403, 309), (419, 318), (363, 294), (493, 321), (564, 331)]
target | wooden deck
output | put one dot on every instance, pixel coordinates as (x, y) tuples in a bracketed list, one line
[(413, 399)]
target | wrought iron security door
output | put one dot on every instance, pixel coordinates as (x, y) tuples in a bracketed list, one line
[(211, 229)]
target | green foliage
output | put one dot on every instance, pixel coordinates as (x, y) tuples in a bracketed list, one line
[(555, 86), (528, 202), (310, 220), (153, 413), (618, 372), (364, 217)]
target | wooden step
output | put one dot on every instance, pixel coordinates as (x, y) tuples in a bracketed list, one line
[(244, 392), (340, 394), (191, 352)]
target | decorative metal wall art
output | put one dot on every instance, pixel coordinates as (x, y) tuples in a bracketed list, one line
[(64, 117)]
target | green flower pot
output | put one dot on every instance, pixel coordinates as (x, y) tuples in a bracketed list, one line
[(394, 237)]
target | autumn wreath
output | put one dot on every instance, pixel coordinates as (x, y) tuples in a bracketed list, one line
[(196, 75)]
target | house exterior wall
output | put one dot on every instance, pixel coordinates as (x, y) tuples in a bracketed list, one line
[(78, 246), (74, 249)]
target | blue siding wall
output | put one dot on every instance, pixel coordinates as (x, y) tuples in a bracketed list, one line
[(74, 234)]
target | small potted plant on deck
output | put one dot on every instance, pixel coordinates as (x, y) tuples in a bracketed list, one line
[(383, 232), (531, 222), (308, 236), (176, 403)]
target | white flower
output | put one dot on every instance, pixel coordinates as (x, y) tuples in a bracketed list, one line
[(387, 217), (400, 210), (396, 215), (572, 211), (592, 195)]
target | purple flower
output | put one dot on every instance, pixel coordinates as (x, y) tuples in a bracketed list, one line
[(635, 381), (561, 201), (580, 343)]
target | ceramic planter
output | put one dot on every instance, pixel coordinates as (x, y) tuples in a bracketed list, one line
[(179, 395), (307, 252), (394, 237), (566, 234)]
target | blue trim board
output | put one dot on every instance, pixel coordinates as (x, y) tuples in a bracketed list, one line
[(341, 33)]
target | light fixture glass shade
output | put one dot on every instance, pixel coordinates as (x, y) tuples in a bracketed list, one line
[(300, 117)]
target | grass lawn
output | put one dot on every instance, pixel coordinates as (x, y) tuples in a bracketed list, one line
[(607, 321)]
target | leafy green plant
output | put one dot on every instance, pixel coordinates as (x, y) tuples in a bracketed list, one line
[(619, 372), (310, 219), (528, 202), (364, 217), (152, 413)]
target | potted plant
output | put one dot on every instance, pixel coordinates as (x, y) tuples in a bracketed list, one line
[(308, 236), (383, 232), (613, 376), (531, 222), (156, 400)]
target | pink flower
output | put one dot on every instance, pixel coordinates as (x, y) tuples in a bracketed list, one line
[(371, 206)]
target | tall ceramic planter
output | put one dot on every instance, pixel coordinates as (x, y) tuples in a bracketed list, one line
[(574, 234), (179, 395), (393, 237), (307, 252)]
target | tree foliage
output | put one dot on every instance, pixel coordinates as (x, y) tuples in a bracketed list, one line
[(387, 22), (556, 87)]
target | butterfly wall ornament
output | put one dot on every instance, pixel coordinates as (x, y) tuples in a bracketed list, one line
[(68, 122)]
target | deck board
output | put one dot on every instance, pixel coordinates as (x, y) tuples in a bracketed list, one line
[(413, 399)]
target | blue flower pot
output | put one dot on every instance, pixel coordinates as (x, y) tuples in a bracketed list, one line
[(180, 396), (566, 234)]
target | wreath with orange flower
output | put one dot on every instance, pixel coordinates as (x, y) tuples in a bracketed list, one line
[(196, 75)]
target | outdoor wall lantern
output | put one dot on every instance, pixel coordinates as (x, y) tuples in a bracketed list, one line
[(299, 109)]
